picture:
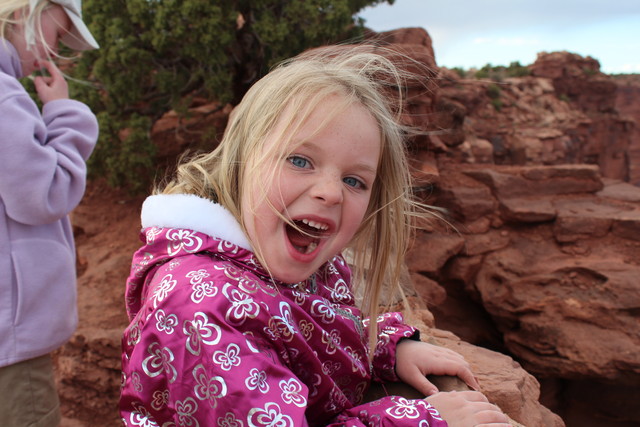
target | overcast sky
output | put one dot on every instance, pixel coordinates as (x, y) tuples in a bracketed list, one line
[(472, 33)]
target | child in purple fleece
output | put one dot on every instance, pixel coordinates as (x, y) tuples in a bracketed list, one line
[(42, 178)]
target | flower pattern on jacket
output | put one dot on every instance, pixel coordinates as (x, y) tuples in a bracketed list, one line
[(213, 341)]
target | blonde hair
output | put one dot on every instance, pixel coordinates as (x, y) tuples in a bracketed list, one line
[(7, 9), (31, 17), (357, 75)]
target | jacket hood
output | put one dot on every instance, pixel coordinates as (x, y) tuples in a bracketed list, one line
[(177, 225), (193, 213)]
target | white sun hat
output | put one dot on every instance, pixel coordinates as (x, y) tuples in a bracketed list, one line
[(79, 38)]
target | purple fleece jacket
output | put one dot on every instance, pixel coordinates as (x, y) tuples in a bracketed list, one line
[(42, 178)]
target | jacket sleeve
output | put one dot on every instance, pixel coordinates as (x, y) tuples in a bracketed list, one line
[(391, 330), (42, 157), (391, 411), (198, 353)]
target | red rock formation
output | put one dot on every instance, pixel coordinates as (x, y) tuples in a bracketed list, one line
[(537, 243), (627, 104), (577, 78), (562, 113), (550, 254)]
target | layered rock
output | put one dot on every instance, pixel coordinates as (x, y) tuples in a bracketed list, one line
[(627, 105), (542, 263), (550, 254), (562, 113)]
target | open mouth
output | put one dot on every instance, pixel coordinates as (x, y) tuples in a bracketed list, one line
[(306, 235)]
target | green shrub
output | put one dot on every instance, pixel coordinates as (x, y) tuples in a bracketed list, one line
[(483, 73), (493, 91), (459, 71), (515, 69), (125, 156), (497, 103), (500, 72)]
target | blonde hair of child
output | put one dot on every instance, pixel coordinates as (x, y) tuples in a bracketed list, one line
[(355, 74), (7, 19)]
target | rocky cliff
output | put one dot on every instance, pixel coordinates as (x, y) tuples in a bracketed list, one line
[(532, 276)]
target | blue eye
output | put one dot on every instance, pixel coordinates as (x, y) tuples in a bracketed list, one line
[(299, 162), (353, 182)]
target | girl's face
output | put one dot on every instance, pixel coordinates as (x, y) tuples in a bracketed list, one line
[(323, 186), (54, 24)]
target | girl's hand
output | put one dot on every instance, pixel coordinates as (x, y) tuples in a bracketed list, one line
[(468, 409), (52, 87), (415, 360)]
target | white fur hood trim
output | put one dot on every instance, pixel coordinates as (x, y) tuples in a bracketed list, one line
[(193, 213)]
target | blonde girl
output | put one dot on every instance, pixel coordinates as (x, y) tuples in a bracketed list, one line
[(42, 178), (240, 301)]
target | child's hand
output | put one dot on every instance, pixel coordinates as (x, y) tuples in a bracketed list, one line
[(415, 360), (52, 87), (468, 409)]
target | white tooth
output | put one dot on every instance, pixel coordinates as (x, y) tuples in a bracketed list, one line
[(316, 225), (311, 247)]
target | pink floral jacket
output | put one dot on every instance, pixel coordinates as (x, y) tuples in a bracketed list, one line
[(213, 341)]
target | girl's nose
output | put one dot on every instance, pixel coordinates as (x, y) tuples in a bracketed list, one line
[(328, 190)]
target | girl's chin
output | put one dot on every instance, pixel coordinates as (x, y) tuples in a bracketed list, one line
[(293, 272)]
